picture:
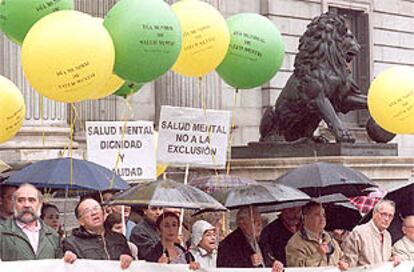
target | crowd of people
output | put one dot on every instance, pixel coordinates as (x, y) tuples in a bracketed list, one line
[(31, 230)]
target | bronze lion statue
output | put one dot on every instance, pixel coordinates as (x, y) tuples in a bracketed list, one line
[(320, 87)]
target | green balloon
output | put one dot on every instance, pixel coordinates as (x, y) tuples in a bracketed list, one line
[(255, 54), (129, 88), (147, 38), (18, 16)]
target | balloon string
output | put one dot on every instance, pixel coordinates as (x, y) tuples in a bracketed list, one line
[(72, 114), (80, 118), (41, 119), (233, 125), (203, 98), (204, 107), (72, 123)]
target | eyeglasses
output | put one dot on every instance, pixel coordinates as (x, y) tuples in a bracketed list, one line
[(89, 211), (385, 215)]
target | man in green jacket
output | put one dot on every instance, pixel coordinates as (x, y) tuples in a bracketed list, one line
[(25, 236)]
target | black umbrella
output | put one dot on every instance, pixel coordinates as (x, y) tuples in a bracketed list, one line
[(318, 179), (341, 216), (404, 199), (167, 193), (67, 173), (340, 213), (258, 195)]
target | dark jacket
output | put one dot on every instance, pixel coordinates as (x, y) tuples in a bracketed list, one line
[(273, 240), (155, 253), (93, 246), (15, 245), (235, 251), (145, 236)]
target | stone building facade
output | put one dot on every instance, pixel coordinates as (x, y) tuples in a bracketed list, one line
[(385, 29)]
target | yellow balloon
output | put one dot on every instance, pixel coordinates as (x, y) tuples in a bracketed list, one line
[(205, 40), (12, 109), (391, 100), (67, 55), (112, 84)]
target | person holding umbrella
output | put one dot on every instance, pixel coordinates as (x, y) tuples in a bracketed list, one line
[(144, 235), (156, 194), (276, 235), (168, 251), (312, 246), (241, 248)]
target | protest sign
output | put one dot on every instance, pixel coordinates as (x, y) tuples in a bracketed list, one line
[(195, 137), (125, 147)]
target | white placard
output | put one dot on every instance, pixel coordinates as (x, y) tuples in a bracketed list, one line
[(132, 142), (195, 137), (58, 265)]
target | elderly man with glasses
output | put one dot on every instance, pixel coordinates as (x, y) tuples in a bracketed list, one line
[(371, 243), (91, 241), (404, 248)]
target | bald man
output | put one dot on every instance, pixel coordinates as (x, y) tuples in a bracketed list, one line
[(404, 248)]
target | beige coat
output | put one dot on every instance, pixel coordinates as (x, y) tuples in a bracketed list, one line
[(302, 250), (363, 246), (404, 248)]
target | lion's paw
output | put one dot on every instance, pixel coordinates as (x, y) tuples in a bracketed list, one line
[(345, 136)]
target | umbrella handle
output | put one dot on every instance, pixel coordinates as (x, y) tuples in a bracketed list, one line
[(256, 247), (64, 210), (180, 229)]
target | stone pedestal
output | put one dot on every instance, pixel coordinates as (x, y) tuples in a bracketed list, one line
[(387, 171), (278, 150)]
